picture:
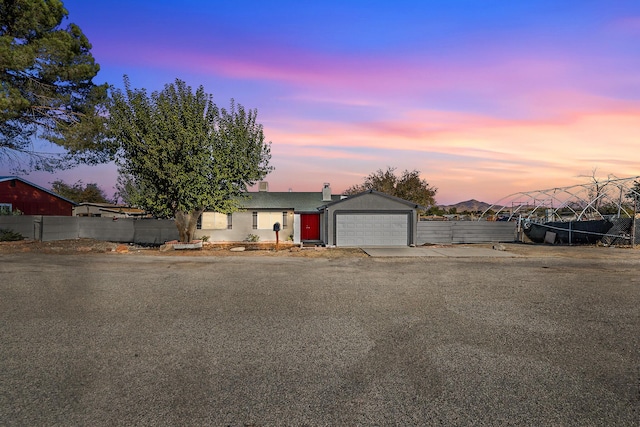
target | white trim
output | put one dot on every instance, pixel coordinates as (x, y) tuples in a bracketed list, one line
[(5, 205)]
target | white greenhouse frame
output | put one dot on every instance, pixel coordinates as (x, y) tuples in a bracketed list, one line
[(573, 203)]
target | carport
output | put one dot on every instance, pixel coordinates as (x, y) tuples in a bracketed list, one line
[(370, 219)]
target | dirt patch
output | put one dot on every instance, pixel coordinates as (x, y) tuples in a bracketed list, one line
[(264, 249), (59, 246), (77, 246), (80, 246)]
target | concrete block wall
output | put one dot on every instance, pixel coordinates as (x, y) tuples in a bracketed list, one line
[(20, 224), (59, 228), (126, 230), (154, 231), (465, 232), (119, 230)]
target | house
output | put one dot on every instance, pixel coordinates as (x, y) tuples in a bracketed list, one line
[(20, 195), (370, 218), (107, 210), (297, 213)]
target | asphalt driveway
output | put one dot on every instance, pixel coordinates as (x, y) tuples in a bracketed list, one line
[(107, 340)]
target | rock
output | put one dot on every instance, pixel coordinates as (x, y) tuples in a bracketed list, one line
[(166, 247), (238, 249), (499, 247), (122, 249)]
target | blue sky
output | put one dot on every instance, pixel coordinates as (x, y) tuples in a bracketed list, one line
[(485, 98)]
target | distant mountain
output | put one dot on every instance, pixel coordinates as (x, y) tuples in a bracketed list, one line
[(469, 206)]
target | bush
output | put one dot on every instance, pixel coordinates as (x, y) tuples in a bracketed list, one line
[(6, 210), (252, 238), (9, 235)]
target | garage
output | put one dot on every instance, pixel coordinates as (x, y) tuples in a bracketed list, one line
[(372, 229), (370, 218)]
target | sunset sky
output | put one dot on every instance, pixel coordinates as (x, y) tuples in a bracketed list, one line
[(485, 98)]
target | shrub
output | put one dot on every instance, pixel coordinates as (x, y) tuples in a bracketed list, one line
[(6, 210), (252, 238), (9, 235)]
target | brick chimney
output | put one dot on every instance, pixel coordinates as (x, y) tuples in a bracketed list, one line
[(326, 192)]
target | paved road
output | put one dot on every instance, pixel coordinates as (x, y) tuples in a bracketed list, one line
[(106, 340)]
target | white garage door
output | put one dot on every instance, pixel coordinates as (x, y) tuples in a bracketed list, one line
[(372, 229)]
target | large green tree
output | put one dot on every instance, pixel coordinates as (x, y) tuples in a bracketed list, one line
[(407, 186), (180, 154), (46, 87), (79, 192)]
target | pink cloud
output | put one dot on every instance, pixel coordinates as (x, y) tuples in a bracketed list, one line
[(472, 154), (380, 75), (553, 123)]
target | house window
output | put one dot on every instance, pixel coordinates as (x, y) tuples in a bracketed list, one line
[(5, 208), (255, 220), (285, 216), (267, 219), (215, 221), (229, 221)]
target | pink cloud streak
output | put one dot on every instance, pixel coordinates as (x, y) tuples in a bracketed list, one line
[(520, 155), (381, 75)]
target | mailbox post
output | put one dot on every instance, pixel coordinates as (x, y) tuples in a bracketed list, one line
[(276, 228)]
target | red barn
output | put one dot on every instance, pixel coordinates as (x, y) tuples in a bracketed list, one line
[(31, 199)]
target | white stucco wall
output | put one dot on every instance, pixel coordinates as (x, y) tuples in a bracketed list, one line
[(242, 227)]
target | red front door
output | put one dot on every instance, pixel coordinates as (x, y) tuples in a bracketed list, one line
[(309, 227)]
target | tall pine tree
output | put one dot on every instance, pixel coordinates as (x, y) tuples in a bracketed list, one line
[(46, 87)]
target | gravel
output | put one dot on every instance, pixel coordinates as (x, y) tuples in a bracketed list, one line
[(120, 339)]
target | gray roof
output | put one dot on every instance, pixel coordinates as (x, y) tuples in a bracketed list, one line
[(381, 194), (298, 201)]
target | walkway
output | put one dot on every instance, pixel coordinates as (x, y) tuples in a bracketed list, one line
[(437, 251)]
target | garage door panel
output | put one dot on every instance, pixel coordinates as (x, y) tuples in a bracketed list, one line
[(371, 229)]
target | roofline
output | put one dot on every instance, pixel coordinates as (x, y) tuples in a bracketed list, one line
[(379, 193), (127, 211), (103, 205), (9, 178)]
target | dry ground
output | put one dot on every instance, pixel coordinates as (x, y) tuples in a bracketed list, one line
[(76, 246)]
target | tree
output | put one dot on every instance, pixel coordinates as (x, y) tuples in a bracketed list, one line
[(634, 192), (46, 88), (435, 210), (179, 154), (408, 186), (596, 192), (126, 190), (78, 192)]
